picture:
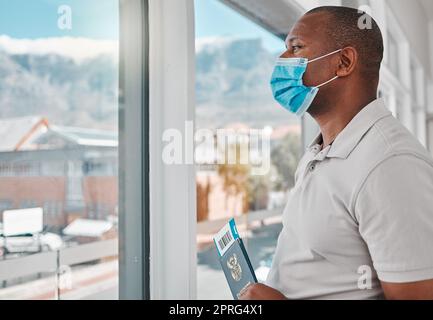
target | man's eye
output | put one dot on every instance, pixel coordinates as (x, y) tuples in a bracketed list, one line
[(296, 48)]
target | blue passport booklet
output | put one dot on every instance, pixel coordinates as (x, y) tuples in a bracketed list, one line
[(234, 259)]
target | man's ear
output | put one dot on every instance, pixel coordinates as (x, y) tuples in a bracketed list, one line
[(348, 61)]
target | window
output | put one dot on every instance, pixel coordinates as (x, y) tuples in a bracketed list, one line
[(234, 62), (59, 146), (5, 205), (355, 3), (397, 72), (53, 168)]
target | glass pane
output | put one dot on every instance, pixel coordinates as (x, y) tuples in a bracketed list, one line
[(234, 62), (58, 152)]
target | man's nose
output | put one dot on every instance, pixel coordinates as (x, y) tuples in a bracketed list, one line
[(286, 54)]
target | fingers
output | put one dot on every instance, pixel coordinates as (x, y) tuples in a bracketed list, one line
[(245, 293)]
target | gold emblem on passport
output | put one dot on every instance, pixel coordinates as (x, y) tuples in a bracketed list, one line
[(234, 267)]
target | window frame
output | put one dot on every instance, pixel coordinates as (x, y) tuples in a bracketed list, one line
[(134, 150), (173, 252)]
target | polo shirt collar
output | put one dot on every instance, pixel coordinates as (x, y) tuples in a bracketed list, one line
[(352, 134)]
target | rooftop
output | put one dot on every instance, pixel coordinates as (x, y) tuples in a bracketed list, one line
[(33, 133)]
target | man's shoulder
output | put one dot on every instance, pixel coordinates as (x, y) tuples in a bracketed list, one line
[(386, 146), (388, 138)]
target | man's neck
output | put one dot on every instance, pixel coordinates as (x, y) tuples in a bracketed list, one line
[(334, 120)]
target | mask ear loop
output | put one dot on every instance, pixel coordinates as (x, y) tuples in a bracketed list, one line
[(325, 83), (326, 55)]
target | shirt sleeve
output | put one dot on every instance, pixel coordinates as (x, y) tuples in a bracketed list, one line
[(394, 208)]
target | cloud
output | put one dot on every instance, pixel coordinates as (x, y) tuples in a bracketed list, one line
[(215, 43), (78, 49)]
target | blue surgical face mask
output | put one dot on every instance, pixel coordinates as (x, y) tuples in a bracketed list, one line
[(287, 85)]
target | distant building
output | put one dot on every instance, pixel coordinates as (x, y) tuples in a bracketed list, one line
[(70, 172), (214, 200)]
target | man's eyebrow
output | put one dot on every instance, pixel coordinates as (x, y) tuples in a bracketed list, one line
[(291, 39)]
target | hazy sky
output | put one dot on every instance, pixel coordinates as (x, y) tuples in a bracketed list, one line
[(216, 19), (97, 19)]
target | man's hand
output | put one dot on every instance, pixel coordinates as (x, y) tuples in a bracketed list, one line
[(422, 290), (260, 291)]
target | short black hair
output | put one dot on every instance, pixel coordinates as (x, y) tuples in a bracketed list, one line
[(345, 28)]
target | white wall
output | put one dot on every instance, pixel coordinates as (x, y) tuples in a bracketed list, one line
[(310, 4), (415, 25), (430, 134), (430, 84)]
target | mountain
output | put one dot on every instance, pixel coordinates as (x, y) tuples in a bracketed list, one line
[(79, 88), (232, 84), (65, 91)]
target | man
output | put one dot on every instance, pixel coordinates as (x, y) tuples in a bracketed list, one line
[(359, 221)]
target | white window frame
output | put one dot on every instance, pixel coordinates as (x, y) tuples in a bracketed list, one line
[(173, 253)]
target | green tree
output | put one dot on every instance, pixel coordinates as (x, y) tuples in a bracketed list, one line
[(236, 177), (285, 157)]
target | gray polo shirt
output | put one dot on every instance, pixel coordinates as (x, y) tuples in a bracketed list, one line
[(361, 211)]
